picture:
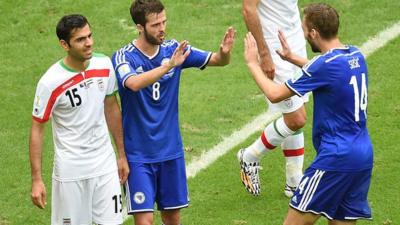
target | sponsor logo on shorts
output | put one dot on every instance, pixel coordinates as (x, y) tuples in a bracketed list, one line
[(139, 198), (66, 221)]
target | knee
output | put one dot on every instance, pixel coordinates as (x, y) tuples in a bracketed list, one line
[(296, 123), (170, 217)]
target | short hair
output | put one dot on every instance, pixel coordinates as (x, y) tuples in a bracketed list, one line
[(323, 18), (68, 23), (141, 8)]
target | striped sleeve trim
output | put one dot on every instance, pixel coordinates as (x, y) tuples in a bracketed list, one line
[(293, 90), (202, 67)]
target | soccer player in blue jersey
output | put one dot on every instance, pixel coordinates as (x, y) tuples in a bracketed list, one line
[(148, 70), (336, 183)]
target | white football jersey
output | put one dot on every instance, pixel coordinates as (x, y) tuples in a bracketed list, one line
[(75, 103), (279, 15)]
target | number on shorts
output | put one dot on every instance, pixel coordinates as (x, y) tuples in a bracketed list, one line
[(302, 184), (118, 207)]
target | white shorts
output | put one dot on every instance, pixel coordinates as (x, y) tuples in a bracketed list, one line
[(284, 71), (84, 202)]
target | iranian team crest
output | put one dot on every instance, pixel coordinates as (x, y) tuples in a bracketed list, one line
[(100, 83)]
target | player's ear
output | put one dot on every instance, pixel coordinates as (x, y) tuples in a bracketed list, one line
[(313, 33), (64, 45), (140, 28)]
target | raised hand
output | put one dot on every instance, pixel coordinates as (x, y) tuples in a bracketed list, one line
[(250, 49), (285, 53), (179, 55), (228, 41)]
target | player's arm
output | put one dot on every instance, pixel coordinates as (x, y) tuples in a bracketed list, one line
[(253, 24), (274, 92), (223, 56), (38, 192), (114, 122), (286, 54), (145, 79)]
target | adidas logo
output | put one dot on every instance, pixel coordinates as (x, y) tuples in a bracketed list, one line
[(294, 199)]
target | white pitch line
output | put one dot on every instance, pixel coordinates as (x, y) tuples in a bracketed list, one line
[(380, 40), (237, 137)]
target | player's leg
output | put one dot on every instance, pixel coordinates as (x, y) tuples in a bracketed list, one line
[(71, 202), (273, 135), (171, 217), (107, 200), (172, 194), (293, 146), (295, 217), (293, 150), (143, 218), (140, 192)]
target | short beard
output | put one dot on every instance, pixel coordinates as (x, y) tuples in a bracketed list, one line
[(314, 47), (151, 39)]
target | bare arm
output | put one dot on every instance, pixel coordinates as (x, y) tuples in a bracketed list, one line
[(145, 79), (274, 92), (253, 25), (113, 117), (286, 54), (38, 191), (223, 56)]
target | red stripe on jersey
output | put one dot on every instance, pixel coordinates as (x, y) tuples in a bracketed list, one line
[(97, 73), (293, 152), (265, 142), (57, 92)]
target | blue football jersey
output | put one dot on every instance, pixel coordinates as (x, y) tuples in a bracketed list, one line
[(150, 116), (339, 82)]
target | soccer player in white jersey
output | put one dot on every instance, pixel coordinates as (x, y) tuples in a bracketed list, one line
[(78, 94), (148, 70), (263, 19), (336, 183)]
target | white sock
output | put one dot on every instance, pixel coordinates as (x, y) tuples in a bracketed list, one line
[(272, 136), (293, 149)]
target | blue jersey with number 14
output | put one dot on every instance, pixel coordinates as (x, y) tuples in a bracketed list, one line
[(339, 82), (150, 115)]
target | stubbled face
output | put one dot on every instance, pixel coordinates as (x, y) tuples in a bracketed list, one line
[(154, 30), (81, 43), (310, 37)]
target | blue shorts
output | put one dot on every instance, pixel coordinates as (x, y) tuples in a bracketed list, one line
[(335, 195), (163, 183)]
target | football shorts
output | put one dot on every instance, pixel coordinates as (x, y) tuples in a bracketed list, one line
[(163, 183), (94, 200), (335, 195)]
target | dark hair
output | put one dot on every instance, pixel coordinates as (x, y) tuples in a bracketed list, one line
[(141, 8), (67, 24), (323, 18)]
